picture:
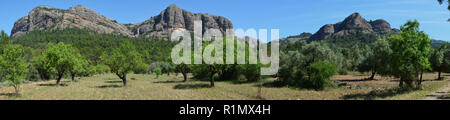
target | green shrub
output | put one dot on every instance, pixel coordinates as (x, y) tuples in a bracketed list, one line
[(141, 69), (251, 72), (320, 73), (101, 68), (158, 72)]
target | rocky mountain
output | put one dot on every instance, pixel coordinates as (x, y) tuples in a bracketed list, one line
[(302, 37), (48, 18), (436, 43), (353, 25), (172, 18)]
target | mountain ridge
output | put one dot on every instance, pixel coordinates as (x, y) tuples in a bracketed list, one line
[(49, 18), (353, 25)]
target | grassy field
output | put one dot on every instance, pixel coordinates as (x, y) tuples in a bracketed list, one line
[(148, 87)]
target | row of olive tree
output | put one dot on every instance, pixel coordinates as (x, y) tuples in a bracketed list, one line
[(62, 59), (406, 55)]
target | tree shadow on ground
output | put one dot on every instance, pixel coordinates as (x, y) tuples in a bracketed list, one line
[(191, 86), (444, 97), (53, 84), (169, 81), (242, 82), (356, 80), (384, 93), (10, 94), (272, 84), (433, 80), (109, 86), (113, 81)]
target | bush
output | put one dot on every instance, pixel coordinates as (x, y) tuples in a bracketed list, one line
[(141, 69), (251, 72), (158, 72), (200, 71), (320, 73), (165, 67), (101, 68)]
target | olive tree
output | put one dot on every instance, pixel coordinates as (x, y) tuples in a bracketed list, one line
[(13, 66), (78, 65), (184, 69), (377, 59), (410, 52), (440, 59), (123, 60), (59, 58)]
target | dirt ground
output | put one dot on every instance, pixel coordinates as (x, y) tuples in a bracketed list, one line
[(379, 80), (150, 87)]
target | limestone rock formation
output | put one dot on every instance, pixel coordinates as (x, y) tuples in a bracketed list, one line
[(48, 18), (353, 25), (173, 18)]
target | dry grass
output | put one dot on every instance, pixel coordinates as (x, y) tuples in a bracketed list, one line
[(147, 87)]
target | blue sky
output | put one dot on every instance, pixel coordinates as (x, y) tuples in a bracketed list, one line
[(292, 17)]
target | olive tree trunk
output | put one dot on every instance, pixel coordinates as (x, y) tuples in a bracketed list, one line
[(184, 76)]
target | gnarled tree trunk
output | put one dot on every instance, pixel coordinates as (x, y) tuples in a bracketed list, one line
[(372, 77), (58, 80), (439, 75), (124, 79), (184, 76), (212, 79), (73, 76)]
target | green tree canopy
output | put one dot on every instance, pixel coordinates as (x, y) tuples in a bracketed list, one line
[(410, 52), (59, 58), (13, 66), (440, 59), (123, 60), (377, 59), (321, 72)]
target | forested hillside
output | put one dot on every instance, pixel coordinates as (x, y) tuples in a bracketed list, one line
[(93, 45)]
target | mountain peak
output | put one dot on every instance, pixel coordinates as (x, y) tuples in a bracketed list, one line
[(356, 20), (79, 7), (352, 25), (355, 15), (43, 6), (173, 18), (173, 6)]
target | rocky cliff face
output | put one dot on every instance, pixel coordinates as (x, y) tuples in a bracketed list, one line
[(352, 25), (48, 18), (173, 18)]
